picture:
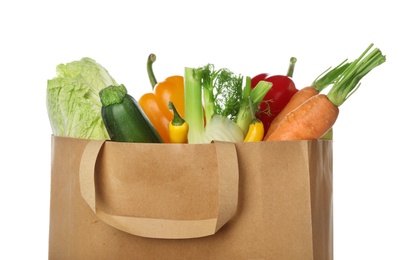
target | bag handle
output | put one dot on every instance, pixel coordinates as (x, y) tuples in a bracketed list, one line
[(228, 175)]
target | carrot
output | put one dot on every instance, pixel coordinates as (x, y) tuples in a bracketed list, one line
[(309, 121), (317, 115), (320, 83), (297, 99)]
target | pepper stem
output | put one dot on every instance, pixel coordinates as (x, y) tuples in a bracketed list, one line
[(177, 120), (291, 67), (252, 110), (150, 72)]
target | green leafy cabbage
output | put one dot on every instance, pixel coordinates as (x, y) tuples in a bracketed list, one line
[(73, 103)]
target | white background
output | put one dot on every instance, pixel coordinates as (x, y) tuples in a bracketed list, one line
[(248, 37)]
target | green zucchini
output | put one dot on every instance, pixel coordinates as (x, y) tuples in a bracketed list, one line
[(124, 119)]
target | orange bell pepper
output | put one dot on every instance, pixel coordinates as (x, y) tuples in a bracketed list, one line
[(155, 103)]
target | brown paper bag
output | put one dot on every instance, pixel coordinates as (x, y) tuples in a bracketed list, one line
[(211, 201)]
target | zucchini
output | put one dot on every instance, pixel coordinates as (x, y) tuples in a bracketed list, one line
[(124, 119)]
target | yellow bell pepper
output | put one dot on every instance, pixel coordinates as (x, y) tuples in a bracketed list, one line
[(155, 103)]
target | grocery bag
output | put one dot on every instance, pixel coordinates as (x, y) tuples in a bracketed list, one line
[(222, 200)]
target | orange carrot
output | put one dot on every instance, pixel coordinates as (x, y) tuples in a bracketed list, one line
[(309, 121), (317, 115), (320, 83), (297, 99)]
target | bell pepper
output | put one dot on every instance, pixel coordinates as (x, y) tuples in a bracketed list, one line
[(155, 103), (281, 92)]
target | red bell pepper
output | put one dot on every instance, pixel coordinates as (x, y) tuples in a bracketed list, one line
[(281, 92)]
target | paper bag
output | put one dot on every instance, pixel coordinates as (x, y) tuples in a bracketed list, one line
[(179, 201)]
